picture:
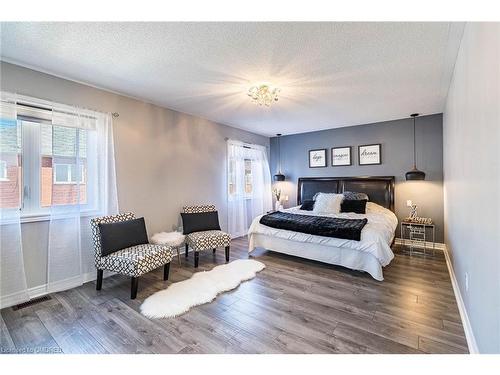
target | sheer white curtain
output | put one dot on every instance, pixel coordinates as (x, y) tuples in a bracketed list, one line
[(88, 190), (13, 287), (249, 185)]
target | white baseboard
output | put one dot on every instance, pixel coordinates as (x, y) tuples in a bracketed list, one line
[(428, 245), (41, 290), (469, 334)]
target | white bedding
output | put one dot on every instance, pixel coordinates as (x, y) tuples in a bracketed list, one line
[(376, 236)]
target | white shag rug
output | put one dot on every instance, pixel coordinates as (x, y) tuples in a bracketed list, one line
[(201, 288)]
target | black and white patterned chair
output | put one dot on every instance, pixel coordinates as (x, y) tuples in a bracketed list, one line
[(208, 239), (133, 261)]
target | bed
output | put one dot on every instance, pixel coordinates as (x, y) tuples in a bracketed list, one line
[(370, 254)]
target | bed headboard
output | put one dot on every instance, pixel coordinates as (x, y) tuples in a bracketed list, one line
[(380, 189)]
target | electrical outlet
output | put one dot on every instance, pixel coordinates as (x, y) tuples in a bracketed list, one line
[(466, 282), (409, 203)]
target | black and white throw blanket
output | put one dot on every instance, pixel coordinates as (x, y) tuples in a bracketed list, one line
[(349, 229)]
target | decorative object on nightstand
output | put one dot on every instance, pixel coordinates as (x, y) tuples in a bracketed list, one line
[(277, 194), (173, 239), (413, 211)]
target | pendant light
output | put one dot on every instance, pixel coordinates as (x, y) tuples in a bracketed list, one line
[(414, 174), (279, 176)]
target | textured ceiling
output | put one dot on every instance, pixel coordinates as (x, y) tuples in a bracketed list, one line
[(330, 74)]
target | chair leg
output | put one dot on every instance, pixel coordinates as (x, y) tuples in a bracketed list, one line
[(166, 268), (186, 250), (178, 256), (214, 250), (196, 258), (133, 288), (227, 253), (98, 284)]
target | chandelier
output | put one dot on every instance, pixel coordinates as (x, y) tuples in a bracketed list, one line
[(263, 94)]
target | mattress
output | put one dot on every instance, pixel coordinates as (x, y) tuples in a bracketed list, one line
[(373, 247)]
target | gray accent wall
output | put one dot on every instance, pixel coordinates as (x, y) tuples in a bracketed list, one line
[(164, 159), (396, 138), (472, 180)]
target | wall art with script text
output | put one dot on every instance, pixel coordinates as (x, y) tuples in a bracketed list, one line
[(317, 158), (370, 154), (341, 156)]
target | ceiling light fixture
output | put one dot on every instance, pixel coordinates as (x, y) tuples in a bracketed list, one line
[(263, 94)]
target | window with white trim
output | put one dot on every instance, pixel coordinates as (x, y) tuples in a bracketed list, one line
[(3, 170), (46, 164), (248, 177), (68, 173)]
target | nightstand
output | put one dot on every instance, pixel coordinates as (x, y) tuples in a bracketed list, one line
[(416, 234)]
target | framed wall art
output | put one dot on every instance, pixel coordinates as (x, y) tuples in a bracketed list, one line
[(317, 158), (370, 154), (341, 156)]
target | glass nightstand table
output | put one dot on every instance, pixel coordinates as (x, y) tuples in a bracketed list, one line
[(416, 235)]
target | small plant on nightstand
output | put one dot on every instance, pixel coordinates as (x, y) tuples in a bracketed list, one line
[(277, 195)]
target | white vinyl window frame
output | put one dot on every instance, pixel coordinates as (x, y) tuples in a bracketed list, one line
[(31, 209), (70, 170), (3, 171), (248, 179)]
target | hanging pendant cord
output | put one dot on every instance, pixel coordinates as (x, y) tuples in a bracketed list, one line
[(414, 148), (279, 153)]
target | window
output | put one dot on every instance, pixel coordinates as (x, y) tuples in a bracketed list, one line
[(3, 171), (55, 166), (10, 164), (63, 172), (248, 180), (68, 174), (248, 177)]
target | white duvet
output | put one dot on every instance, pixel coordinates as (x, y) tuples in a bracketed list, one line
[(376, 236)]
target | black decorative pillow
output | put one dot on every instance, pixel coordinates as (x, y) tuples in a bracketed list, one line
[(353, 205), (118, 236), (350, 195), (307, 205), (197, 222)]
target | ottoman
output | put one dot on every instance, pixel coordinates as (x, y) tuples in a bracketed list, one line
[(172, 239)]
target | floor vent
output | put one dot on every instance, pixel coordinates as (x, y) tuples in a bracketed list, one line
[(32, 302)]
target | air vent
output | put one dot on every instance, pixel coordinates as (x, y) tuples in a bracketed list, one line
[(32, 302)]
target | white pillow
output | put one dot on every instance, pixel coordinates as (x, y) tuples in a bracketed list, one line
[(328, 203)]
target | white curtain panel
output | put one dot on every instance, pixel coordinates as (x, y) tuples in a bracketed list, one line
[(92, 189), (249, 185), (13, 287)]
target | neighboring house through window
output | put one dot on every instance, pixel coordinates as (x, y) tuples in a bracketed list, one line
[(68, 174), (3, 171), (42, 165), (232, 173), (248, 177)]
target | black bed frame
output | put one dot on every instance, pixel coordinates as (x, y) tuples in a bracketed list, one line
[(380, 189)]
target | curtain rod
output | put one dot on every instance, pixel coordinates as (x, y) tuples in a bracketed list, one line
[(24, 104), (245, 144)]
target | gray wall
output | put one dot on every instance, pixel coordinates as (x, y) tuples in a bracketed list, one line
[(164, 159), (471, 178), (396, 138)]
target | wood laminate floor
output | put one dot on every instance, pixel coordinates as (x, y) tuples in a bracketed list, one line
[(293, 306)]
